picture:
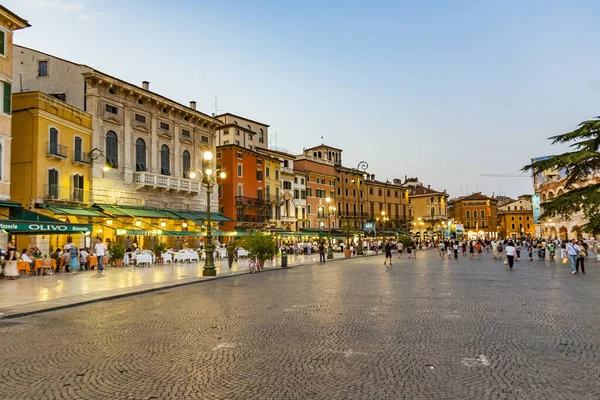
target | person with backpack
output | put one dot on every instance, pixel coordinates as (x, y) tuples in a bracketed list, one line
[(321, 253)]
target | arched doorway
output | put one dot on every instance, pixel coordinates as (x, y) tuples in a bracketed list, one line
[(553, 232), (563, 233)]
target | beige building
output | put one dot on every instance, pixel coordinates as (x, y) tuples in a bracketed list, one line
[(515, 218), (144, 145), (242, 132), (9, 22), (428, 208)]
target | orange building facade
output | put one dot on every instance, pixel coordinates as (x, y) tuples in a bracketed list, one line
[(477, 213), (241, 193), (318, 165)]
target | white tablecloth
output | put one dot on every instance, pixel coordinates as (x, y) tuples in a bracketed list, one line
[(242, 253), (143, 259), (185, 256), (167, 257)]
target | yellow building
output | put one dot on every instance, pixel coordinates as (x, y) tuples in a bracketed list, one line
[(51, 165), (427, 208), (515, 218), (272, 182)]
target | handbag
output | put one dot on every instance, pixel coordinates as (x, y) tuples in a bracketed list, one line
[(505, 262), (565, 260)]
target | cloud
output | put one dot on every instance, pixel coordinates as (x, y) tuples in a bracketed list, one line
[(73, 6)]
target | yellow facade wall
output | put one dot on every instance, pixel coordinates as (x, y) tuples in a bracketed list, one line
[(34, 113)]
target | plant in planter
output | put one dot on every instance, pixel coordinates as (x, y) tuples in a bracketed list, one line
[(117, 253), (159, 249), (347, 229), (260, 246)]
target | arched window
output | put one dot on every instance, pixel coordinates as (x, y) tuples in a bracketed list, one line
[(165, 160), (112, 149), (140, 155), (187, 165), (319, 154), (543, 197), (550, 195), (261, 136)]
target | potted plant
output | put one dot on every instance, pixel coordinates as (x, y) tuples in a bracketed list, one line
[(159, 249), (347, 229), (117, 253), (260, 246)]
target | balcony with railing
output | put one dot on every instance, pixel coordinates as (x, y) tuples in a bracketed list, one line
[(287, 218), (251, 201), (352, 214), (54, 149), (66, 194), (259, 219), (82, 157), (166, 182), (287, 170)]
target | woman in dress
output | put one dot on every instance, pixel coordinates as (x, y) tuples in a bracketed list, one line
[(74, 259)]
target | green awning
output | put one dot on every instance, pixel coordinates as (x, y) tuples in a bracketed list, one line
[(9, 204), (76, 211), (143, 212), (114, 211), (27, 215)]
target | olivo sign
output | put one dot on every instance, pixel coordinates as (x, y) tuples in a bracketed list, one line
[(44, 227)]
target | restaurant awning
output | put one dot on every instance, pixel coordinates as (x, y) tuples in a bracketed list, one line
[(144, 212), (76, 211), (32, 223)]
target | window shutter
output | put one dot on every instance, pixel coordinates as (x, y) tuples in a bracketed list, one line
[(7, 94), (2, 43)]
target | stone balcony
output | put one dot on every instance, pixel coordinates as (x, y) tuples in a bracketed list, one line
[(166, 182)]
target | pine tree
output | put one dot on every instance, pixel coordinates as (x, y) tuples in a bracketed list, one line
[(582, 194)]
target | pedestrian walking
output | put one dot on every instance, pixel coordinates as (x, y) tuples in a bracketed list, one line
[(400, 248), (441, 248), (479, 249), (388, 252), (471, 250), (74, 259), (573, 252), (321, 253), (510, 254), (464, 248), (530, 250), (100, 250), (518, 249), (230, 253), (495, 249), (581, 256), (409, 251)]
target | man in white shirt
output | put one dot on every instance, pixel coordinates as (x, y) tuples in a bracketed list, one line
[(573, 251), (100, 250), (495, 249), (441, 248)]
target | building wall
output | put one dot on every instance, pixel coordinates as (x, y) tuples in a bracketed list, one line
[(63, 76), (350, 199), (387, 197), (231, 203), (422, 206), (8, 23), (320, 176), (34, 114), (246, 139), (462, 208)]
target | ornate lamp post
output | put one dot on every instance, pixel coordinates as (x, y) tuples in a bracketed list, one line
[(208, 179), (328, 211)]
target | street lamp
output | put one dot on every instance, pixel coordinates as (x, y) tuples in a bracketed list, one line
[(330, 211), (208, 179)]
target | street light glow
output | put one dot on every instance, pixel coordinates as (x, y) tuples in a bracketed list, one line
[(192, 174), (222, 175), (208, 155), (208, 171)]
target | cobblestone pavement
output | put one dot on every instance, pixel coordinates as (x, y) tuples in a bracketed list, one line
[(34, 293), (424, 329)]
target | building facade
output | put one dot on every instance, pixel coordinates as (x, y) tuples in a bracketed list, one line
[(477, 213), (9, 22), (351, 198), (387, 204), (428, 207), (318, 165), (515, 218), (242, 193), (242, 132), (281, 175), (56, 165)]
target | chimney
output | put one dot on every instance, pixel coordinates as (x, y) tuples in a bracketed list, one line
[(193, 105), (428, 186), (146, 85), (372, 177), (405, 178)]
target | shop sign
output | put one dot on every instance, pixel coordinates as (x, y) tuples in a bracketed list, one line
[(369, 226), (44, 227)]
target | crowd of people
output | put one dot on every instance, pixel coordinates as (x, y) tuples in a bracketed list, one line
[(509, 250)]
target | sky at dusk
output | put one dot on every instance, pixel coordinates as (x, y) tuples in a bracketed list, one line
[(445, 91)]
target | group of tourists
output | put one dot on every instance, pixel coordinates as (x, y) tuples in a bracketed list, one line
[(509, 250)]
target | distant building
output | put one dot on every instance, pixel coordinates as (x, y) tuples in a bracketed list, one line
[(477, 213), (515, 218), (427, 206), (243, 132)]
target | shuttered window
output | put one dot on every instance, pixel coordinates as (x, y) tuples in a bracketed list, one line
[(3, 43), (6, 98)]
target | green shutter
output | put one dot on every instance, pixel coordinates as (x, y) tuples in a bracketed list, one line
[(7, 94), (2, 41)]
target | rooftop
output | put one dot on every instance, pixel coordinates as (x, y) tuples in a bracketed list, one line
[(244, 118), (19, 22)]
